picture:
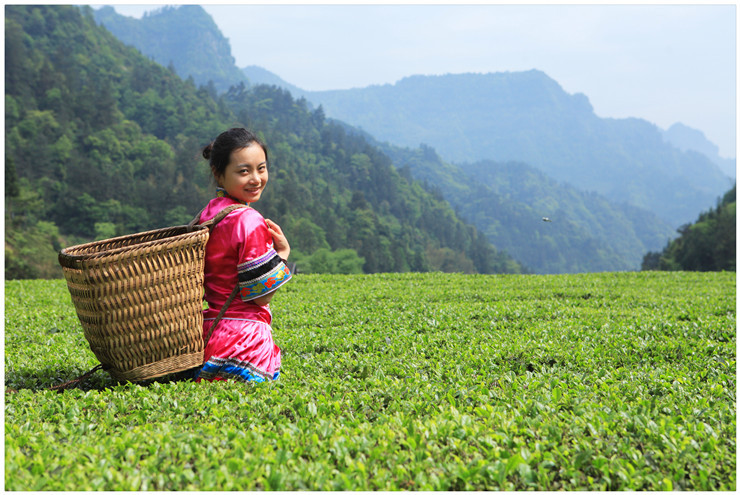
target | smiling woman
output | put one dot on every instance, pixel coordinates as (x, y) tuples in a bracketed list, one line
[(245, 256), (246, 175)]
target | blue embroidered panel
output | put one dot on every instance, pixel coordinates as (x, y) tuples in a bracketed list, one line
[(233, 369), (262, 275)]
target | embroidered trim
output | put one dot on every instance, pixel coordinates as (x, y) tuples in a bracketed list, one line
[(262, 275), (234, 369), (263, 263)]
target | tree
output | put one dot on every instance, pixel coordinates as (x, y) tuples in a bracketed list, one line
[(709, 244)]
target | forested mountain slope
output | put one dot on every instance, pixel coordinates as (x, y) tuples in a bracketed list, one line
[(549, 226), (185, 37), (102, 141), (527, 117)]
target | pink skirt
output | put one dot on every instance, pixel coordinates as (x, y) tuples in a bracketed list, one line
[(240, 349)]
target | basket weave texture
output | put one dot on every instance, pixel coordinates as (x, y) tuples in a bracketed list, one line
[(139, 299)]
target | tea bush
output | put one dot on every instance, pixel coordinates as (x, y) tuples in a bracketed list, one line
[(610, 381)]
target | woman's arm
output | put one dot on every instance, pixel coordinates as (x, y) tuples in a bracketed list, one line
[(282, 248), (265, 300)]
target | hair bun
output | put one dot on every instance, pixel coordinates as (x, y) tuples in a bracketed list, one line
[(207, 151)]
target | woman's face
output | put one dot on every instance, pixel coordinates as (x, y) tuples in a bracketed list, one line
[(246, 174)]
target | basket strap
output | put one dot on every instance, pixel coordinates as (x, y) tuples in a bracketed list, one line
[(213, 221), (222, 214), (211, 224), (71, 383), (196, 220), (221, 314), (64, 386)]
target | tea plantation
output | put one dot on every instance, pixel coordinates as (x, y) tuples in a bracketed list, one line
[(611, 381)]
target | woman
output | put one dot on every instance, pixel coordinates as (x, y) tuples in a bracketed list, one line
[(244, 249)]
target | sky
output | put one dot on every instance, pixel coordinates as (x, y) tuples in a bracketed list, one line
[(664, 63)]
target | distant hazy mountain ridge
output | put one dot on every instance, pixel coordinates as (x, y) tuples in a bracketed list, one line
[(258, 75), (678, 135), (687, 139), (527, 117)]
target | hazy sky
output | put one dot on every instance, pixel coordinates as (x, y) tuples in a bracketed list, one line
[(663, 63)]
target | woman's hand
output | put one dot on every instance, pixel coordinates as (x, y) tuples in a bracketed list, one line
[(280, 242), (282, 248)]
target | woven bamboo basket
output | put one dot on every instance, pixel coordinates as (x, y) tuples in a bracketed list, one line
[(140, 299)]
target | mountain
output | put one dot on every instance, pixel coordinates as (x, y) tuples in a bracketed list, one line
[(527, 117), (551, 227), (185, 36), (102, 141), (615, 238), (513, 116), (258, 75), (687, 139)]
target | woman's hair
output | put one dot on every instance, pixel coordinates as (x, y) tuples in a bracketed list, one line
[(218, 153)]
